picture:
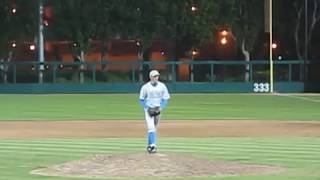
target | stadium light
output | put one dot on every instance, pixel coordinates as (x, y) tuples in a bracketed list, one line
[(194, 8), (194, 52), (46, 23), (224, 32), (14, 10), (13, 45), (32, 47), (224, 41), (223, 37)]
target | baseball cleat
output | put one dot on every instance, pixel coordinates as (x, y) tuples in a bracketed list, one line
[(151, 149)]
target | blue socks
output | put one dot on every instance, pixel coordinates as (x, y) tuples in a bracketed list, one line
[(151, 138)]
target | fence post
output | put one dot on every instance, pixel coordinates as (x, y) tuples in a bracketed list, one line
[(133, 74), (290, 72), (250, 72), (54, 69), (211, 72), (94, 66), (191, 72), (14, 73), (173, 72)]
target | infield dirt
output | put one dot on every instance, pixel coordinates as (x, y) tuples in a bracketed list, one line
[(168, 128)]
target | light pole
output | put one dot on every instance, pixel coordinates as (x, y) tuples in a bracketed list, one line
[(40, 43), (305, 40), (270, 46)]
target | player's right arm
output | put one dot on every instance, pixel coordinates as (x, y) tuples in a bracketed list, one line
[(142, 97)]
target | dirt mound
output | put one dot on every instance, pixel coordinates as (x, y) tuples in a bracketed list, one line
[(151, 165)]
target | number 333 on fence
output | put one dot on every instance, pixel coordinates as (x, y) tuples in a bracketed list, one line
[(261, 87)]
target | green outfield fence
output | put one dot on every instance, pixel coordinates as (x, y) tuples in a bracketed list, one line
[(181, 76)]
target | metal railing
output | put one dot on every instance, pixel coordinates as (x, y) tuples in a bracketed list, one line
[(137, 71)]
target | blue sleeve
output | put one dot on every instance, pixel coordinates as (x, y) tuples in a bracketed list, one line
[(163, 103), (143, 103)]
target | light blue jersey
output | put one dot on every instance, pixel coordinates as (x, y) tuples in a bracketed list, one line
[(153, 95)]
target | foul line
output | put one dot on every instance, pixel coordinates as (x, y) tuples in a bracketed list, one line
[(297, 97)]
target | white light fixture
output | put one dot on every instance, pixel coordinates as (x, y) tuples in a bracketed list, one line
[(223, 41), (32, 47)]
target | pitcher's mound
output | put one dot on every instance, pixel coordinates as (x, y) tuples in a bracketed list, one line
[(152, 165)]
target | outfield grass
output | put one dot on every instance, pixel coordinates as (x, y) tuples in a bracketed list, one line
[(192, 106), (300, 157)]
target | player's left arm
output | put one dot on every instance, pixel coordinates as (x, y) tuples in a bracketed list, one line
[(165, 98), (164, 103)]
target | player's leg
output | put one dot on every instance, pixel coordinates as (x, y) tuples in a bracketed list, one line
[(152, 133), (157, 121)]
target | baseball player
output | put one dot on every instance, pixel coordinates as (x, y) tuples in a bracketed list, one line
[(154, 97)]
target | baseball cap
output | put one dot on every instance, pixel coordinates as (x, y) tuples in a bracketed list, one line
[(154, 73)]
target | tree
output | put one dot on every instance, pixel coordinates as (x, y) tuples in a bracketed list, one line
[(246, 22), (313, 18), (17, 26), (188, 23), (298, 38), (77, 21)]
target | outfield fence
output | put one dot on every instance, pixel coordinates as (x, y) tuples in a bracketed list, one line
[(212, 74)]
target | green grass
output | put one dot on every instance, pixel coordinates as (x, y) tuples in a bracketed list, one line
[(300, 157), (181, 106)]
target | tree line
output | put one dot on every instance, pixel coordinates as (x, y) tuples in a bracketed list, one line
[(187, 24)]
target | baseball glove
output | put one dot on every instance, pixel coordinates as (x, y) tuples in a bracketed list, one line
[(155, 111)]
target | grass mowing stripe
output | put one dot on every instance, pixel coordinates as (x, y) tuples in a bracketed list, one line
[(295, 141), (106, 145), (306, 153), (252, 148), (39, 154), (27, 145), (251, 157), (268, 155), (282, 153), (311, 142), (283, 146), (191, 149), (255, 156), (53, 151), (34, 157), (284, 142), (58, 149), (78, 141), (212, 146), (68, 153), (62, 141)]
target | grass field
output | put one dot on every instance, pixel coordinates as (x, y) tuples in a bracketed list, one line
[(300, 156), (193, 106)]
